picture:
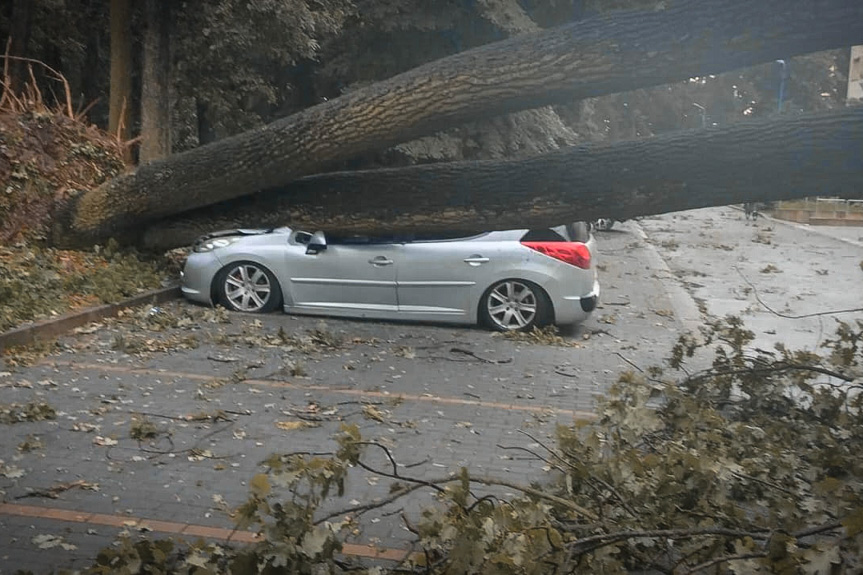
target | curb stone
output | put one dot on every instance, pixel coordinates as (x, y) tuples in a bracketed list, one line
[(51, 328), (686, 312)]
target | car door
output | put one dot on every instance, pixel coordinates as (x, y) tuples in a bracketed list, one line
[(346, 279), (440, 278)]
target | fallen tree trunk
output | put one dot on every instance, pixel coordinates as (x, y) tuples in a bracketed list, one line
[(597, 56), (778, 158)]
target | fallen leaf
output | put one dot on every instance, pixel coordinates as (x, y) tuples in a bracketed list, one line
[(372, 412), (11, 471), (200, 454), (260, 485), (104, 441), (294, 425), (406, 352), (46, 541)]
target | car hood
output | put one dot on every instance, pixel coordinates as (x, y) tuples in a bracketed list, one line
[(238, 232)]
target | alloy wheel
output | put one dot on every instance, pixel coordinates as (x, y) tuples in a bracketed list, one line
[(512, 305), (247, 287)]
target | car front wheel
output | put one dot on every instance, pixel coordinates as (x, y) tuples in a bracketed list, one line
[(512, 305), (248, 287)]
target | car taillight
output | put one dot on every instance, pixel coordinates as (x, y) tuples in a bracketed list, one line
[(573, 253)]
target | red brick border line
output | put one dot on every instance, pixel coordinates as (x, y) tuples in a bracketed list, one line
[(175, 528), (577, 415), (54, 327)]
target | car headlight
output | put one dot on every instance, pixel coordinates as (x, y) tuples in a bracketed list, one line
[(212, 244)]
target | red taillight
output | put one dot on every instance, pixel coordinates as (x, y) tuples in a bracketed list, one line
[(573, 253)]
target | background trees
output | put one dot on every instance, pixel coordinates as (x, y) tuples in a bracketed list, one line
[(156, 92), (120, 105), (233, 64), (240, 64)]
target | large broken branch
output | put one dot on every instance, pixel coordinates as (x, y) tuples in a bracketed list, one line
[(782, 157), (597, 56)]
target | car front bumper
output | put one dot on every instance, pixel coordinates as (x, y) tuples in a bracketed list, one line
[(196, 279)]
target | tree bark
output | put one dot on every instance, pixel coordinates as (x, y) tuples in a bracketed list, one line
[(777, 158), (592, 57), (156, 83), (120, 100)]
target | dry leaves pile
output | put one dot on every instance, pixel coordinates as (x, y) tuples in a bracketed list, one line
[(46, 158), (38, 282), (548, 335), (33, 411)]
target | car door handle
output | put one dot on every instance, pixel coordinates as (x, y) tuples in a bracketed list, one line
[(381, 261), (475, 260)]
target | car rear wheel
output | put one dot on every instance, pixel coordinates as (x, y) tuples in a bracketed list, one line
[(248, 287), (513, 305)]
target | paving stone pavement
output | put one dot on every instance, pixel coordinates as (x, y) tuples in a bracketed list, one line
[(447, 397)]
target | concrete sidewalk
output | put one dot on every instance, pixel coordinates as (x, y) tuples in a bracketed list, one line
[(789, 282)]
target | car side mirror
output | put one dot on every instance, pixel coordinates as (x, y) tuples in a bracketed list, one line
[(302, 238), (317, 243)]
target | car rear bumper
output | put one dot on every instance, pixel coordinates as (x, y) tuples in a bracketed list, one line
[(575, 309)]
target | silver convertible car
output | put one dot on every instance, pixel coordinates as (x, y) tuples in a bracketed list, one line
[(507, 280)]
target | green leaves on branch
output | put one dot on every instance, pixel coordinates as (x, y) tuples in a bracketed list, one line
[(281, 509)]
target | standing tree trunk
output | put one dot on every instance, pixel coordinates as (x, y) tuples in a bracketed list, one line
[(156, 82), (757, 161), (19, 33), (592, 57), (120, 101), (206, 132)]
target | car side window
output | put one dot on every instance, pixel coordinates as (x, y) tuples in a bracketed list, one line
[(543, 235), (348, 240), (361, 240), (443, 237)]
